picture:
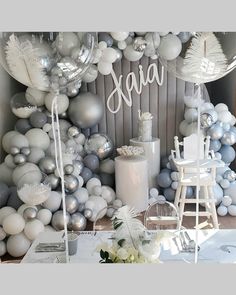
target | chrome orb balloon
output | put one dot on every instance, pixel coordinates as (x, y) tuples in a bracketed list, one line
[(58, 220), (19, 159), (53, 181), (71, 184), (139, 44), (206, 120), (100, 145), (68, 169), (88, 213), (25, 151), (86, 110), (72, 204), (30, 213), (78, 222), (230, 175), (14, 151), (47, 165)]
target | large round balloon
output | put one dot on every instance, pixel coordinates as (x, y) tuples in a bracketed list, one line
[(47, 61), (86, 110), (204, 57)]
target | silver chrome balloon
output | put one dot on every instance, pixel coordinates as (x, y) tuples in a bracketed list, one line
[(68, 169), (78, 222), (100, 145), (71, 183), (206, 120), (25, 151), (58, 220), (73, 131), (47, 165), (30, 213), (72, 204), (19, 159), (139, 44), (228, 138), (78, 167), (53, 181), (88, 213), (230, 175), (14, 150)]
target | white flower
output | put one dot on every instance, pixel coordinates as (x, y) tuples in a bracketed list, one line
[(122, 254)]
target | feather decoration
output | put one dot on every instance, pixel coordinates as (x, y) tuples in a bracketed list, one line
[(24, 63), (205, 57), (127, 226)]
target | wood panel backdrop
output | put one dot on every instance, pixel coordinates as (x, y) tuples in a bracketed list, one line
[(166, 103)]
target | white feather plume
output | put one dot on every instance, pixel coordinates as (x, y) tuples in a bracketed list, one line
[(24, 63), (205, 57), (127, 226)]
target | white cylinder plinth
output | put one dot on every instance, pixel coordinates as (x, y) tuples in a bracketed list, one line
[(152, 153), (132, 181)]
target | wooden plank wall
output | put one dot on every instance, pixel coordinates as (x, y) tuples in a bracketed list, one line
[(165, 102)]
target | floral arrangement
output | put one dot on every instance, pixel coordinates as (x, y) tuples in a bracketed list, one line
[(130, 150), (131, 243)]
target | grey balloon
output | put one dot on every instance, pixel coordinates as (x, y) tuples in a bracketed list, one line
[(47, 165), (107, 179), (23, 125), (215, 131), (71, 183), (103, 36), (99, 144), (228, 138), (29, 213), (81, 207), (227, 153), (184, 36), (68, 169), (86, 174), (53, 181), (164, 180), (4, 193), (230, 175), (19, 159), (38, 119), (72, 204), (92, 162), (78, 222), (169, 194), (86, 110), (58, 220), (73, 131), (88, 213), (215, 145), (13, 200)]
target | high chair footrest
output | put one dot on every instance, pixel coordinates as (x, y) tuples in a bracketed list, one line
[(201, 213), (192, 201)]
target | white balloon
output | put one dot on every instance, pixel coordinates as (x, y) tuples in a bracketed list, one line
[(33, 228), (108, 194), (192, 102), (3, 248), (109, 55), (232, 210), (102, 45), (38, 138), (233, 120), (53, 203), (224, 116), (80, 139), (13, 224), (36, 154), (96, 204), (62, 102), (104, 68), (97, 190), (226, 201), (131, 54), (49, 228), (91, 74), (154, 192), (170, 47), (81, 195), (163, 33), (174, 185), (220, 107), (45, 216), (19, 141), (6, 211), (190, 115), (10, 162), (28, 173), (35, 96), (206, 106), (122, 45), (6, 140), (18, 245), (183, 127), (119, 36), (222, 210), (117, 203), (92, 182), (174, 176), (66, 41)]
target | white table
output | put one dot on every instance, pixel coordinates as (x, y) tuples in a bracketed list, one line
[(214, 246)]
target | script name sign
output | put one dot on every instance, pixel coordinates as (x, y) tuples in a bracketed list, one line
[(131, 83)]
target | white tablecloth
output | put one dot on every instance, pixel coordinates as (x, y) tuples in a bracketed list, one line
[(218, 246)]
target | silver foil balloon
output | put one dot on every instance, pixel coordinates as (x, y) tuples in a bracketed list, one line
[(14, 150), (72, 204), (229, 138), (206, 120), (139, 44), (230, 175), (78, 222), (30, 213), (86, 110), (68, 169), (71, 183), (215, 132), (53, 181), (58, 220), (100, 145), (88, 213), (19, 159), (47, 165), (25, 151)]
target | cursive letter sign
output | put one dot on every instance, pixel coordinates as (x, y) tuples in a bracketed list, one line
[(131, 83)]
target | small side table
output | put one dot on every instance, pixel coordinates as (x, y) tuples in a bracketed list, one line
[(152, 154)]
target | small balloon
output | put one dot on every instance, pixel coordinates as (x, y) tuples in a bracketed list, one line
[(71, 183), (58, 220), (30, 213), (78, 222), (71, 204)]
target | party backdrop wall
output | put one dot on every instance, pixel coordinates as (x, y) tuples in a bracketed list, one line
[(164, 102)]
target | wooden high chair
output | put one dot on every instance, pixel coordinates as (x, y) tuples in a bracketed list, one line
[(186, 163)]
